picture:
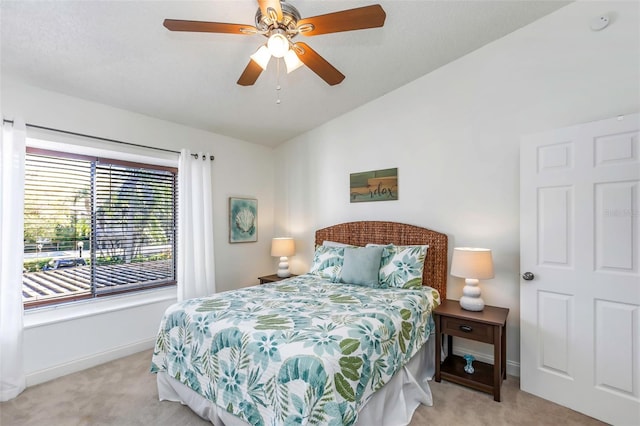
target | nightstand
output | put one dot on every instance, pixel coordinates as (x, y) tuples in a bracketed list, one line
[(272, 278), (488, 326)]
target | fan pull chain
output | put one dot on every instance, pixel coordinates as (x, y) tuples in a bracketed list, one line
[(278, 82)]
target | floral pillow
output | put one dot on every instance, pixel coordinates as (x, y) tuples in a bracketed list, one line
[(327, 262), (402, 266)]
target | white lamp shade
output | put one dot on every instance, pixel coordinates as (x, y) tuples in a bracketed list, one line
[(471, 262), (278, 45), (283, 247), (292, 61), (261, 57)]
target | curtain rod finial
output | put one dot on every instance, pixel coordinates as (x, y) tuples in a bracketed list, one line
[(204, 157)]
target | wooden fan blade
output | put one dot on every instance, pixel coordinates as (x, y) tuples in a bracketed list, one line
[(208, 27), (318, 64), (346, 20), (250, 74), (274, 4)]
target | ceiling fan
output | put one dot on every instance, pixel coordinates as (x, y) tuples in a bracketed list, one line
[(280, 22)]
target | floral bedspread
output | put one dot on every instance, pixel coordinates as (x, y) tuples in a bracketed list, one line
[(298, 351)]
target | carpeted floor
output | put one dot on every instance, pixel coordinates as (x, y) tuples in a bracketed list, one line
[(123, 392)]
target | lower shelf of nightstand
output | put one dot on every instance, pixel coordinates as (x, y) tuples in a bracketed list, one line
[(452, 370)]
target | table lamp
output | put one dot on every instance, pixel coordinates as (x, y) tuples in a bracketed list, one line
[(283, 247), (472, 264)]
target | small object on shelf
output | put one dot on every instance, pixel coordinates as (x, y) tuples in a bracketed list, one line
[(469, 367)]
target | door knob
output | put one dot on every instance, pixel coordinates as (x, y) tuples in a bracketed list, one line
[(528, 276)]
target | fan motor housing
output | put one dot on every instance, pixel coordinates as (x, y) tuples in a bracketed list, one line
[(290, 18)]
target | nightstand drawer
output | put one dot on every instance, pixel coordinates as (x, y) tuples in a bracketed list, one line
[(468, 329)]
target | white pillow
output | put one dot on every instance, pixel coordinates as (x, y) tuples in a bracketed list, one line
[(327, 243)]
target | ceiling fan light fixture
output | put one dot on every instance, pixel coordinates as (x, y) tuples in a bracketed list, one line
[(262, 57), (278, 44), (280, 22), (292, 61)]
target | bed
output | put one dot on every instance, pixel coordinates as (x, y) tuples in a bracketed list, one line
[(312, 349)]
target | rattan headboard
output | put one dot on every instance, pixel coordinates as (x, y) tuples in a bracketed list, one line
[(361, 233)]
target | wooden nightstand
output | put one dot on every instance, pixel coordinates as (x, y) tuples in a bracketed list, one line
[(488, 326), (272, 278)]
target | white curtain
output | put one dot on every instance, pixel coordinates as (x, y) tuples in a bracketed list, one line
[(12, 157), (196, 270)]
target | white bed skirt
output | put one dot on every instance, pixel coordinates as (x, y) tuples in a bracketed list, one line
[(392, 405)]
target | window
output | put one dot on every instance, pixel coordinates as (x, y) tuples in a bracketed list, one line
[(94, 226)]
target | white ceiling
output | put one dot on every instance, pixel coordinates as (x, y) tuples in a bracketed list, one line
[(118, 53)]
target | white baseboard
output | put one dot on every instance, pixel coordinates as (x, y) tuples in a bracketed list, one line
[(513, 368), (80, 364)]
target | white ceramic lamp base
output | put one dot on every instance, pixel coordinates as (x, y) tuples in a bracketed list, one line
[(283, 267), (471, 300)]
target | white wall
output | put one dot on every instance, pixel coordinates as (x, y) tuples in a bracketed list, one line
[(68, 338), (454, 136)]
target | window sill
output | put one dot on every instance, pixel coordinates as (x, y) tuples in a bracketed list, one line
[(45, 315)]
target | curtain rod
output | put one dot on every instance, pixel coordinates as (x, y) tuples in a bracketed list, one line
[(35, 126)]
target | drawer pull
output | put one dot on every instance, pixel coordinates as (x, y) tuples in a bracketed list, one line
[(466, 328)]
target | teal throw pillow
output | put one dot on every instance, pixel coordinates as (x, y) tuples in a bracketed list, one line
[(361, 266)]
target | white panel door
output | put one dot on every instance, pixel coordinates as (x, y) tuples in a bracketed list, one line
[(580, 237)]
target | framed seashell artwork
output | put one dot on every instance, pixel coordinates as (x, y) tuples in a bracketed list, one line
[(243, 220)]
